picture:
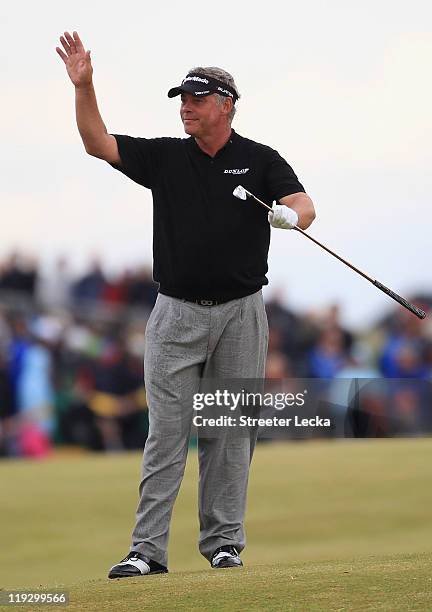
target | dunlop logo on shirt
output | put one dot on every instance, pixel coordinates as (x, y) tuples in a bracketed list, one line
[(237, 171)]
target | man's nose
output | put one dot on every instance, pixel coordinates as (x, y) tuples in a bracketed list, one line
[(187, 104)]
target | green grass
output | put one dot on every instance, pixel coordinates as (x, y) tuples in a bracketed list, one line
[(342, 525)]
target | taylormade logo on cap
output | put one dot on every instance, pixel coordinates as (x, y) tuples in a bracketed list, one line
[(195, 78)]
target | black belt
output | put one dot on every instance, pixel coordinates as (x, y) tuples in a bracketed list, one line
[(206, 302)]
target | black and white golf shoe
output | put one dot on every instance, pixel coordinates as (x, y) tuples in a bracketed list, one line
[(226, 556), (135, 565)]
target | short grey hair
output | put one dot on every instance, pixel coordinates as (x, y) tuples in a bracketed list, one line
[(220, 75)]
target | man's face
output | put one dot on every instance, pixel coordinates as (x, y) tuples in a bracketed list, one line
[(202, 116)]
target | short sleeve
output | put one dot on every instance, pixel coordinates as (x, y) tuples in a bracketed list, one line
[(140, 158), (280, 177)]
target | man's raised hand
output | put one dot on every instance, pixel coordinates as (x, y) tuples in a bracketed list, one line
[(76, 58)]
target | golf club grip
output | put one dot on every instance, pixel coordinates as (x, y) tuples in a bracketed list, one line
[(417, 311)]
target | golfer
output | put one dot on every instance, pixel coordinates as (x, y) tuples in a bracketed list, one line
[(210, 260)]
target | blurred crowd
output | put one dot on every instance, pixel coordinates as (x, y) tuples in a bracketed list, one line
[(71, 360)]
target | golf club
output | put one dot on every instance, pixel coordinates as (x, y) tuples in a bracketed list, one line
[(242, 194)]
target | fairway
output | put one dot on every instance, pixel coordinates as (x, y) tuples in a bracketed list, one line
[(331, 525)]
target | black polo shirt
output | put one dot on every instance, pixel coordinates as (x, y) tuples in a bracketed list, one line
[(207, 244)]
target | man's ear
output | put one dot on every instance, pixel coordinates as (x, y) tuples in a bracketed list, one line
[(228, 106)]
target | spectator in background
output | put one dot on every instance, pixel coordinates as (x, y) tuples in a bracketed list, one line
[(89, 288), (5, 332), (19, 274), (403, 352), (278, 366), (53, 289), (117, 398), (280, 318), (35, 393), (18, 347), (327, 358), (404, 357), (293, 335), (356, 395), (8, 425), (116, 290), (143, 290), (332, 319)]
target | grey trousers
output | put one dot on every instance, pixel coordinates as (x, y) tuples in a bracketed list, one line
[(185, 342)]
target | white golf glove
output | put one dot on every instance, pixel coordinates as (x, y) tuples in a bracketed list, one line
[(282, 217)]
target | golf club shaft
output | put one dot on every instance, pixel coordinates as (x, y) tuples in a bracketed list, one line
[(417, 311)]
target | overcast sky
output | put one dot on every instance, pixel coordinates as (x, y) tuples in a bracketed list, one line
[(341, 88)]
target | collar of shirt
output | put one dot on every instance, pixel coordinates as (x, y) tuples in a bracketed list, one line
[(197, 149)]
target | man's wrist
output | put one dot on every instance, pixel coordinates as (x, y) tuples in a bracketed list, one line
[(84, 87)]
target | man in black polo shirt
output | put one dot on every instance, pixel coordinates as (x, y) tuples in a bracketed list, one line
[(210, 260)]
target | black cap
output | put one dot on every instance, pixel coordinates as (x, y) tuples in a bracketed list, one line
[(202, 85)]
